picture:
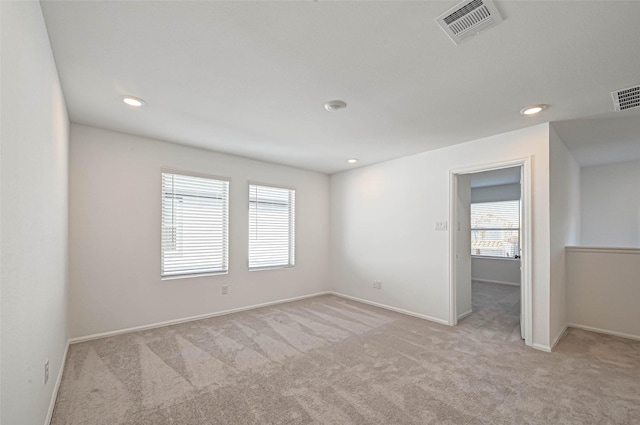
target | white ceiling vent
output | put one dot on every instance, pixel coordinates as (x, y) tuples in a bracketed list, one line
[(626, 98), (468, 19)]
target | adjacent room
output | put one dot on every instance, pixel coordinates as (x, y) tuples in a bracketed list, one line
[(319, 212), (489, 247)]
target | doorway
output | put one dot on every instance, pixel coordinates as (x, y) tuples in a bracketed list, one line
[(498, 240)]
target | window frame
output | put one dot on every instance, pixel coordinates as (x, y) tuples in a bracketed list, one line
[(518, 229), (291, 222), (226, 238)]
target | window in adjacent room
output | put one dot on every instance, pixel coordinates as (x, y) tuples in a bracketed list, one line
[(195, 234), (495, 229), (271, 227)]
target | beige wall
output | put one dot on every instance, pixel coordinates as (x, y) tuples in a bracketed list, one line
[(115, 234), (33, 224), (603, 290)]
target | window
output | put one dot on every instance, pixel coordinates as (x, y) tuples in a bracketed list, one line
[(271, 227), (495, 228), (195, 213)]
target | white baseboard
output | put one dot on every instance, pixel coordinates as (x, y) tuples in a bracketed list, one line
[(463, 315), (604, 331), (189, 319), (541, 347), (388, 307), (547, 348), (54, 396), (559, 337), (501, 282), (77, 340)]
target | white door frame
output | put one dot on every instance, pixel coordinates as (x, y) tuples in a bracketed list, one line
[(526, 254)]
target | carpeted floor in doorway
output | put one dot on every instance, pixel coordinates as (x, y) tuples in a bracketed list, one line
[(326, 360)]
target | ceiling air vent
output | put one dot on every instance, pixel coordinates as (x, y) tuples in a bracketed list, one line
[(468, 19), (626, 98)]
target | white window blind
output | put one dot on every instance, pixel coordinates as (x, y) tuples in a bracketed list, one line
[(195, 216), (271, 227), (495, 229)]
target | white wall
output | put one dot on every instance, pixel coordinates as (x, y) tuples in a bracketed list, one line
[(382, 225), (603, 290), (501, 192), (564, 181), (610, 204), (463, 245), (491, 269), (115, 234), (33, 216), (496, 270)]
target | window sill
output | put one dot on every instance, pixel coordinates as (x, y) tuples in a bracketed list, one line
[(486, 257), (258, 269), (188, 276)]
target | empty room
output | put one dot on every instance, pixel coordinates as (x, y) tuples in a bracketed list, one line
[(319, 212)]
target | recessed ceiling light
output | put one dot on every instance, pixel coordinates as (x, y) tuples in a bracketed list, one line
[(335, 105), (532, 110), (136, 102), (352, 160)]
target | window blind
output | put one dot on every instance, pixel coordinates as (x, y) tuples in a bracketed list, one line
[(495, 229), (271, 227), (195, 216)]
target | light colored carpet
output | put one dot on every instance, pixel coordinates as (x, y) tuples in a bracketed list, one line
[(327, 360), (496, 311)]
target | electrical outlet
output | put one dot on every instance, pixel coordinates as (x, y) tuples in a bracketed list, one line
[(225, 289), (46, 371), (377, 284), (441, 225)]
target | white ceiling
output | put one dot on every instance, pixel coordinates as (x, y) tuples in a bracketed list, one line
[(251, 78), (602, 140)]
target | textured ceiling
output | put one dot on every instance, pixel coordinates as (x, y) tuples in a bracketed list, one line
[(251, 78)]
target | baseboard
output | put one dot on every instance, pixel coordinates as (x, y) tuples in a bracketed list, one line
[(559, 337), (604, 331), (189, 319), (54, 396), (547, 348), (501, 282), (541, 347), (463, 315), (388, 307)]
